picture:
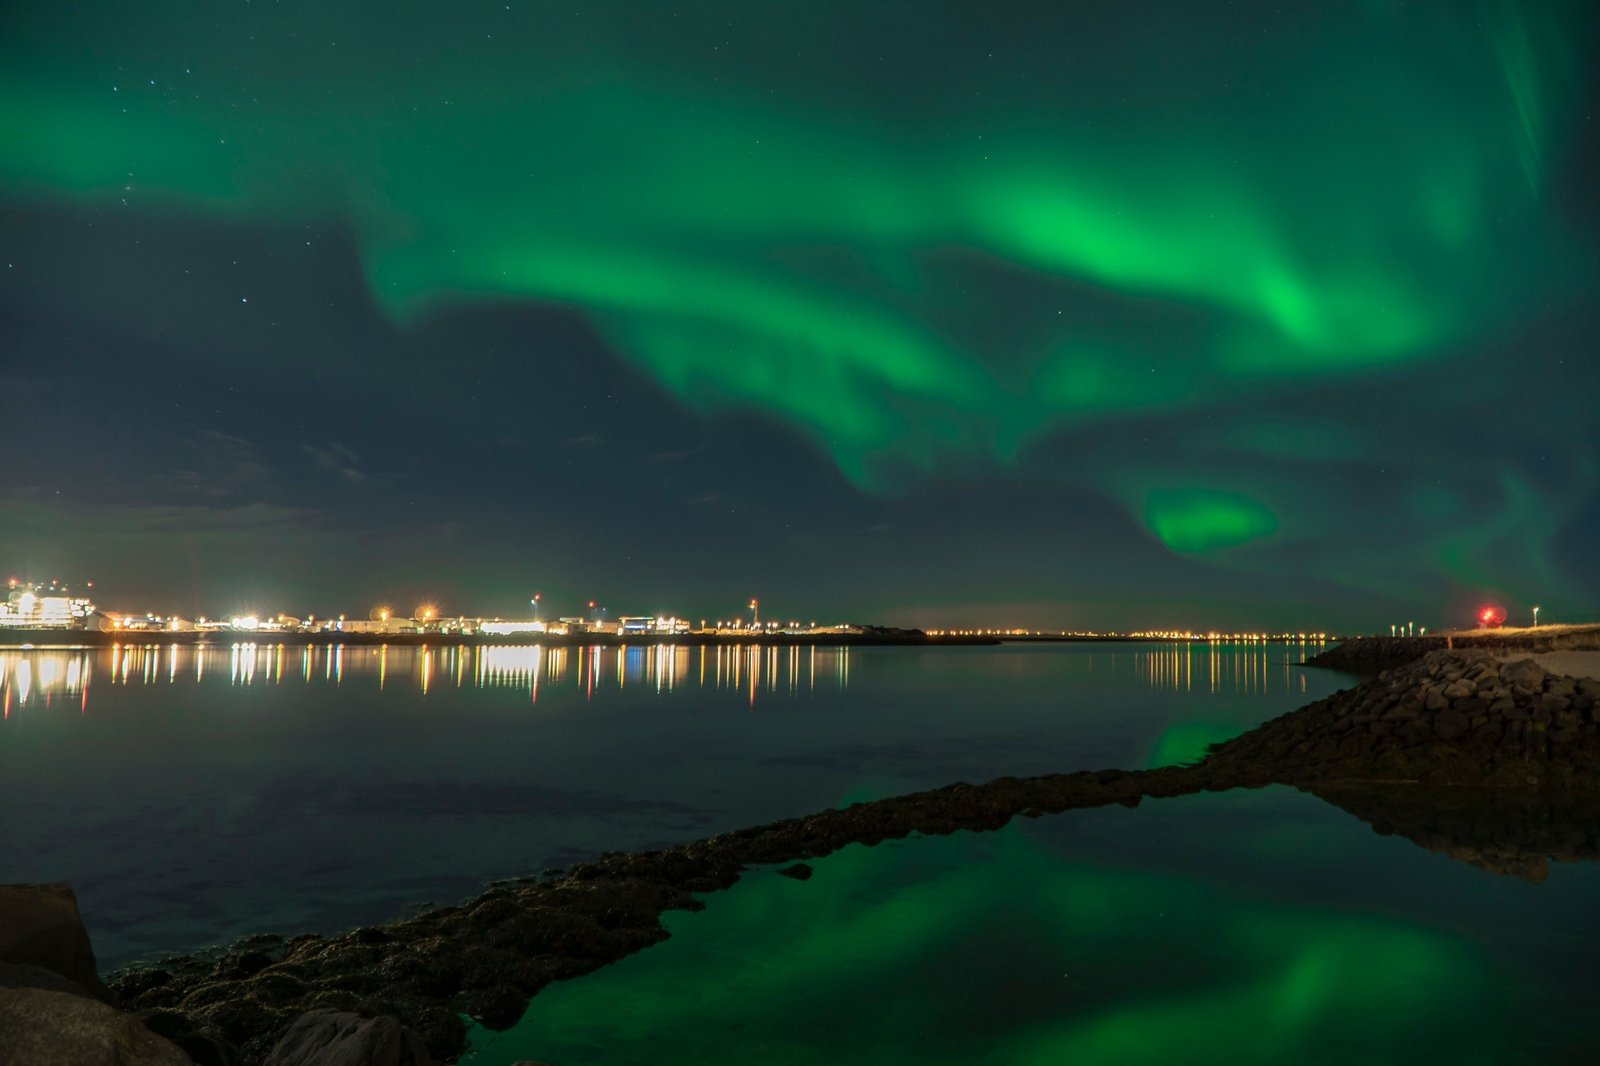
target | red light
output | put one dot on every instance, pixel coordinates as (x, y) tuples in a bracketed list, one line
[(1491, 615)]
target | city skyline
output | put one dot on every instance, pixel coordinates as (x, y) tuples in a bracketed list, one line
[(56, 604), (1273, 315)]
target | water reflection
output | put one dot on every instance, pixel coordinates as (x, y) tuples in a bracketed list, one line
[(45, 675), (40, 676), (1224, 668), (1042, 944), (1504, 831)]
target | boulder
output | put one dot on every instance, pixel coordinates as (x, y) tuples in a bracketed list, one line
[(39, 1027), (21, 975), (1450, 724), (339, 1038), (40, 926), (1524, 674), (203, 1047)]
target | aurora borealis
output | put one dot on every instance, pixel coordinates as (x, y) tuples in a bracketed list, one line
[(1068, 314)]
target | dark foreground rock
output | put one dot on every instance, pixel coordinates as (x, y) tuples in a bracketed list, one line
[(40, 926), (339, 1038), (44, 1028), (21, 975), (1384, 750)]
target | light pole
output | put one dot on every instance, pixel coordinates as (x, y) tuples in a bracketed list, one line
[(1536, 617), (755, 613), (535, 602)]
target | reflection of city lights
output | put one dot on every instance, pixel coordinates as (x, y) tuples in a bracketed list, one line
[(1246, 664)]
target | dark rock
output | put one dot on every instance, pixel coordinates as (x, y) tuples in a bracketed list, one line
[(1450, 724), (1524, 674), (21, 975), (239, 965), (39, 1027), (40, 926), (1469, 705), (799, 871), (203, 1048), (336, 1038), (1553, 704)]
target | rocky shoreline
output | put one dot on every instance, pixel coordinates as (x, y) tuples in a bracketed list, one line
[(1413, 751), (1449, 718), (1373, 655)]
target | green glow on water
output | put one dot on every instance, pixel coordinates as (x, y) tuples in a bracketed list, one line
[(991, 949), (1187, 742)]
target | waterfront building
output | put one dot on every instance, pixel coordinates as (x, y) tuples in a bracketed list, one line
[(503, 627), (30, 605), (138, 623), (386, 624)]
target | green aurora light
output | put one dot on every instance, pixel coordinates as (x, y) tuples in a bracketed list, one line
[(1209, 225)]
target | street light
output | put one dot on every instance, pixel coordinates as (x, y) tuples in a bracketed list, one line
[(535, 602), (1536, 617)]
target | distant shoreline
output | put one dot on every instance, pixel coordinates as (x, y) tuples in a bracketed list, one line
[(76, 638), (81, 638)]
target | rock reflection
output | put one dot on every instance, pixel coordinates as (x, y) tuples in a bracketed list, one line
[(1504, 831)]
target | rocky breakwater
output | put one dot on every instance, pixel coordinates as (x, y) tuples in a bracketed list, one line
[(1455, 717), (1371, 655)]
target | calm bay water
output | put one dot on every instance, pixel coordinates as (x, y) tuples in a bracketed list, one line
[(192, 796), (1260, 927)]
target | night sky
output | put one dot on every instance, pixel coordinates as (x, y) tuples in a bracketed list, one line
[(1071, 314)]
